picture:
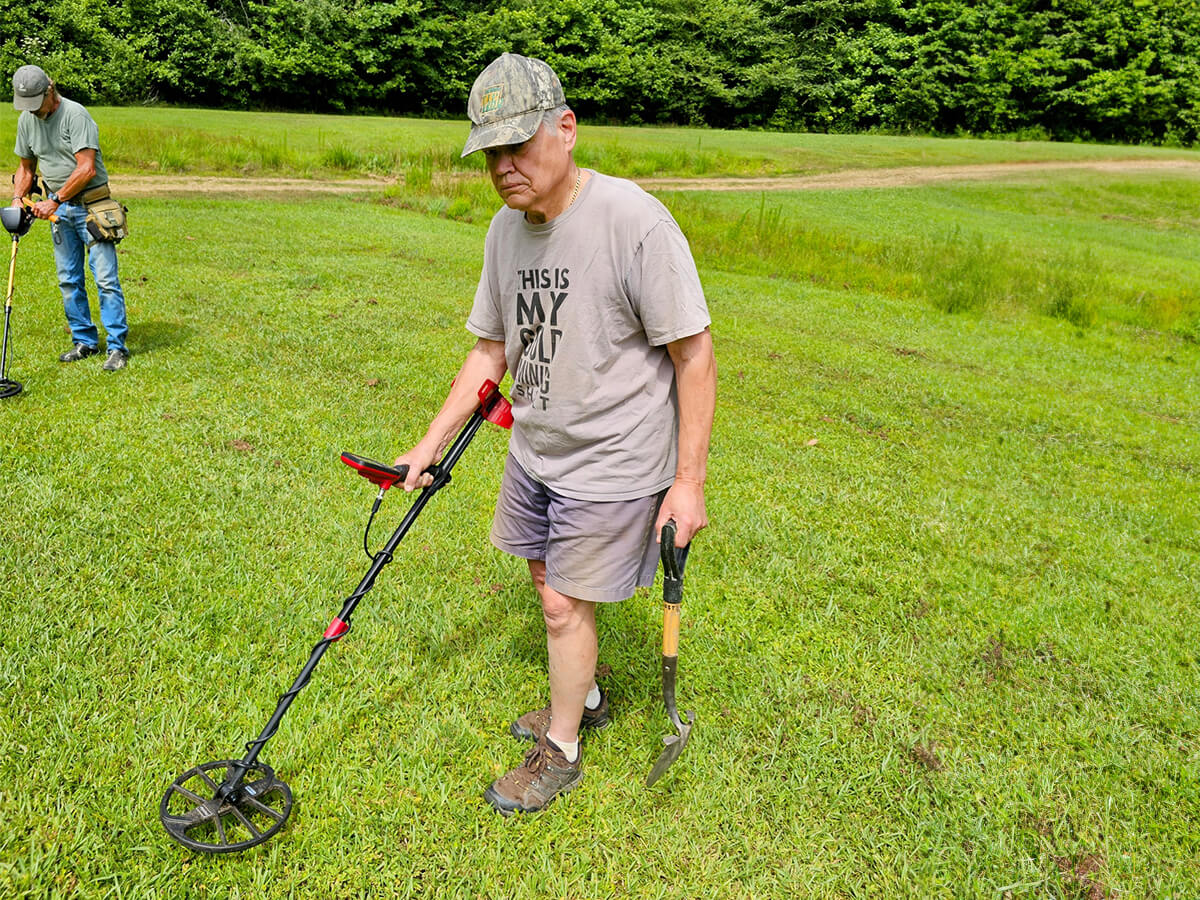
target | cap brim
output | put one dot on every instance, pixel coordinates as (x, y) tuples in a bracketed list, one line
[(513, 130), (28, 104)]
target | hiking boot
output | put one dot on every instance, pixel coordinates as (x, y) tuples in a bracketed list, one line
[(534, 724), (117, 359), (543, 776), (78, 352)]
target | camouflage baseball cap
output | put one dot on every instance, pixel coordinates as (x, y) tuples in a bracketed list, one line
[(508, 101), (29, 87)]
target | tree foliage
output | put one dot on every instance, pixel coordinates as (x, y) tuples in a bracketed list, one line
[(1122, 70)]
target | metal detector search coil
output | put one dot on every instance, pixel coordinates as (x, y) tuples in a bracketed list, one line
[(230, 805)]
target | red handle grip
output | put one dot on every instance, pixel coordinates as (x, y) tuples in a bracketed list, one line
[(375, 472)]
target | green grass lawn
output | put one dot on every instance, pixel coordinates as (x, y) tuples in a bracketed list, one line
[(939, 639)]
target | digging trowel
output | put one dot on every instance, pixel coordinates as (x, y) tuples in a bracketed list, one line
[(673, 562)]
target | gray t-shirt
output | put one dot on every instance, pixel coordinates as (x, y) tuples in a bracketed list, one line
[(585, 305), (55, 140)]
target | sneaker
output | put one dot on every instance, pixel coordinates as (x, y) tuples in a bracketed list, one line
[(534, 724), (78, 352), (543, 776), (117, 359)]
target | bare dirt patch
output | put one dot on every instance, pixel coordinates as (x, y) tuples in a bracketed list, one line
[(926, 755), (1081, 876)]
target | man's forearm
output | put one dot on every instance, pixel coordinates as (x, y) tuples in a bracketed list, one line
[(696, 383), (22, 182), (485, 361), (76, 182)]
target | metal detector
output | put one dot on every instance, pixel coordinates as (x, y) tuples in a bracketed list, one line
[(17, 221), (230, 805)]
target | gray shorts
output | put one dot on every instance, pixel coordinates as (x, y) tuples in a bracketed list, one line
[(596, 551)]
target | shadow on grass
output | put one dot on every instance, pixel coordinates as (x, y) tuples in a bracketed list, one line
[(150, 337)]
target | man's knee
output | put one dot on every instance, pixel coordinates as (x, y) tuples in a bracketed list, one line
[(563, 614)]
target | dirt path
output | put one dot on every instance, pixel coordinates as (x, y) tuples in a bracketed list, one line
[(915, 175), (149, 185), (158, 185)]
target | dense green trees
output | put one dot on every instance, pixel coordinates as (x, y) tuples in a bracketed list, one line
[(1125, 70)]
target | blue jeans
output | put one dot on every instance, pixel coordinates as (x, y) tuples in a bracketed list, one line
[(71, 240)]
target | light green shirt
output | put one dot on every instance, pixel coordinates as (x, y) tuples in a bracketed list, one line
[(55, 140)]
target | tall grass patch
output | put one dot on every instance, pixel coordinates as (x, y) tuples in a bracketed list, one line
[(342, 158), (461, 191), (1076, 248)]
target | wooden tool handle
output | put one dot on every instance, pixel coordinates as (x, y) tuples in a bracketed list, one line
[(52, 217), (670, 640)]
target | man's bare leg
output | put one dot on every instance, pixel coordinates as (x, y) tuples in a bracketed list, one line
[(572, 648)]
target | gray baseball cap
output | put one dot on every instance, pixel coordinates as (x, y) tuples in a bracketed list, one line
[(29, 88), (508, 101)]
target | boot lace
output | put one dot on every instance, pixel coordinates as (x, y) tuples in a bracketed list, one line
[(537, 759)]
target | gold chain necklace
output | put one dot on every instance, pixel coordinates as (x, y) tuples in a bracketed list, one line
[(575, 191)]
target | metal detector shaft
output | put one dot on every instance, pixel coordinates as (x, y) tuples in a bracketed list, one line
[(12, 271), (9, 388), (341, 623), (252, 804), (4, 353)]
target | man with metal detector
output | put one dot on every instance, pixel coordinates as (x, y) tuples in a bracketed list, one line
[(589, 296), (61, 137)]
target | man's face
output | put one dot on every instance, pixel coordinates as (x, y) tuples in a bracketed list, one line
[(49, 104), (529, 176)]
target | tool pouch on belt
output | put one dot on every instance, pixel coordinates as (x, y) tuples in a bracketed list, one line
[(105, 216)]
